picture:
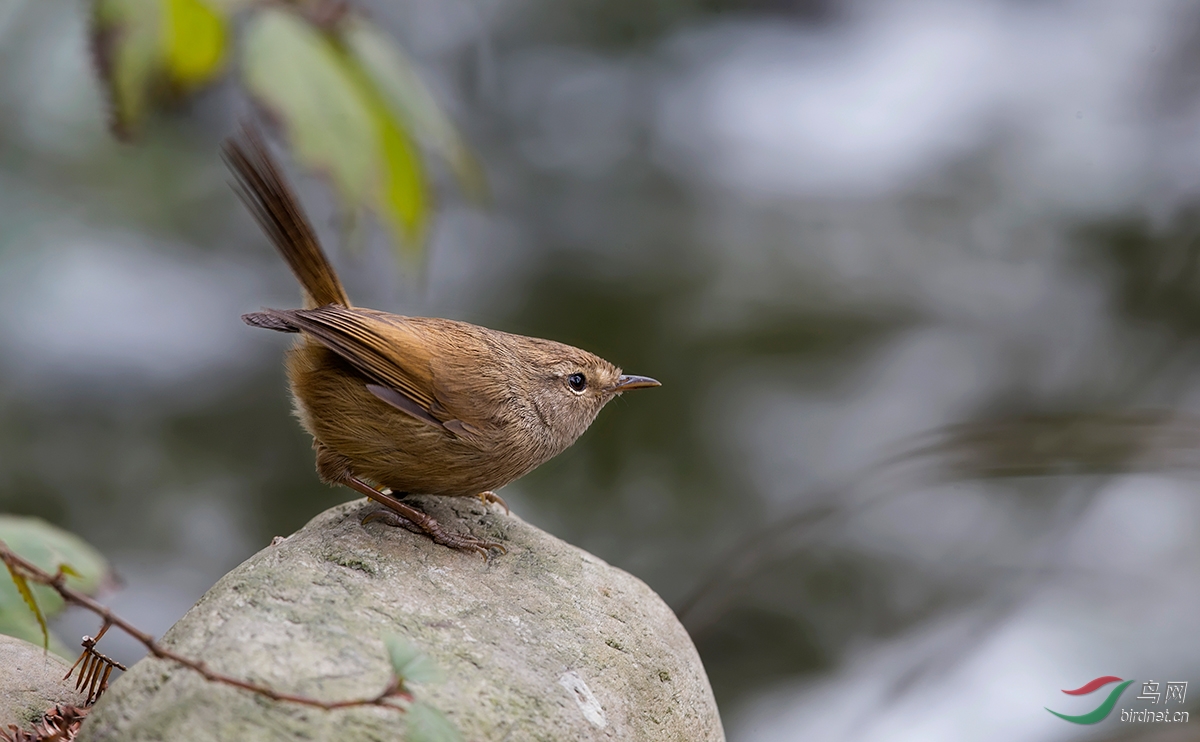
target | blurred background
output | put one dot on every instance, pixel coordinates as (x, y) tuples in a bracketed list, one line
[(921, 280)]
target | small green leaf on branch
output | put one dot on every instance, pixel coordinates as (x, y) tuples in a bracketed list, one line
[(409, 663), (427, 724)]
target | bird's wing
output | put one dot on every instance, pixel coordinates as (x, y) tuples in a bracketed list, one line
[(393, 354)]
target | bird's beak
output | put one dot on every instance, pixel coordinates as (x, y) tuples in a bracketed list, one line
[(627, 382)]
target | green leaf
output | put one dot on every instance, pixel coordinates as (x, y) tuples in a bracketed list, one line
[(50, 548), (125, 41), (409, 663), (338, 122), (394, 76), (68, 570), (151, 50), (427, 724), (193, 40), (297, 74), (23, 625), (27, 595), (401, 198)]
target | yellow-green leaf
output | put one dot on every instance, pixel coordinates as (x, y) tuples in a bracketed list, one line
[(26, 594), (125, 41), (401, 195), (402, 200), (402, 91), (22, 624), (294, 71), (68, 570), (150, 50), (51, 549), (194, 39)]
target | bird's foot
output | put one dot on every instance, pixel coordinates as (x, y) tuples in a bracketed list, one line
[(490, 497), (404, 515), (431, 528)]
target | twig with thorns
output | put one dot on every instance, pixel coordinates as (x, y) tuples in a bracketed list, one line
[(96, 668)]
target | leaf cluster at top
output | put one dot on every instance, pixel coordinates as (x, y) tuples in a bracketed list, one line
[(348, 99)]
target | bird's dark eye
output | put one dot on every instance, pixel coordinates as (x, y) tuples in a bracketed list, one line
[(578, 382)]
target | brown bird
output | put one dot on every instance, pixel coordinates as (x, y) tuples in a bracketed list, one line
[(415, 405)]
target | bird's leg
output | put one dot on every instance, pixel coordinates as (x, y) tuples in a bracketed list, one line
[(392, 519), (490, 497), (412, 518)]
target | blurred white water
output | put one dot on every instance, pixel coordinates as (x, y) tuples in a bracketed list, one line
[(1118, 602), (1072, 93)]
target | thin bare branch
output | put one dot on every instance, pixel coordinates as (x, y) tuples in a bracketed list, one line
[(93, 660)]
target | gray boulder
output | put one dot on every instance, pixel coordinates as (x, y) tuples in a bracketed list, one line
[(31, 682), (546, 642)]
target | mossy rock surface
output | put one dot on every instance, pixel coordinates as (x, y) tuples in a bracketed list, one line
[(31, 682), (546, 642)]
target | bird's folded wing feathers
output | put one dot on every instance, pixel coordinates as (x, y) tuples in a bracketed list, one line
[(394, 356)]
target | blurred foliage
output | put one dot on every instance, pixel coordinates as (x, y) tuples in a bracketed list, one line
[(735, 644), (422, 722), (791, 600), (150, 53), (347, 97), (1154, 268), (241, 448), (409, 663), (395, 85), (51, 549), (638, 23), (1068, 443)]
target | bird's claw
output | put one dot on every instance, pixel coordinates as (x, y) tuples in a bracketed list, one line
[(434, 530), (489, 497)]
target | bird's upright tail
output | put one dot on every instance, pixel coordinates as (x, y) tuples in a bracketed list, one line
[(274, 206)]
